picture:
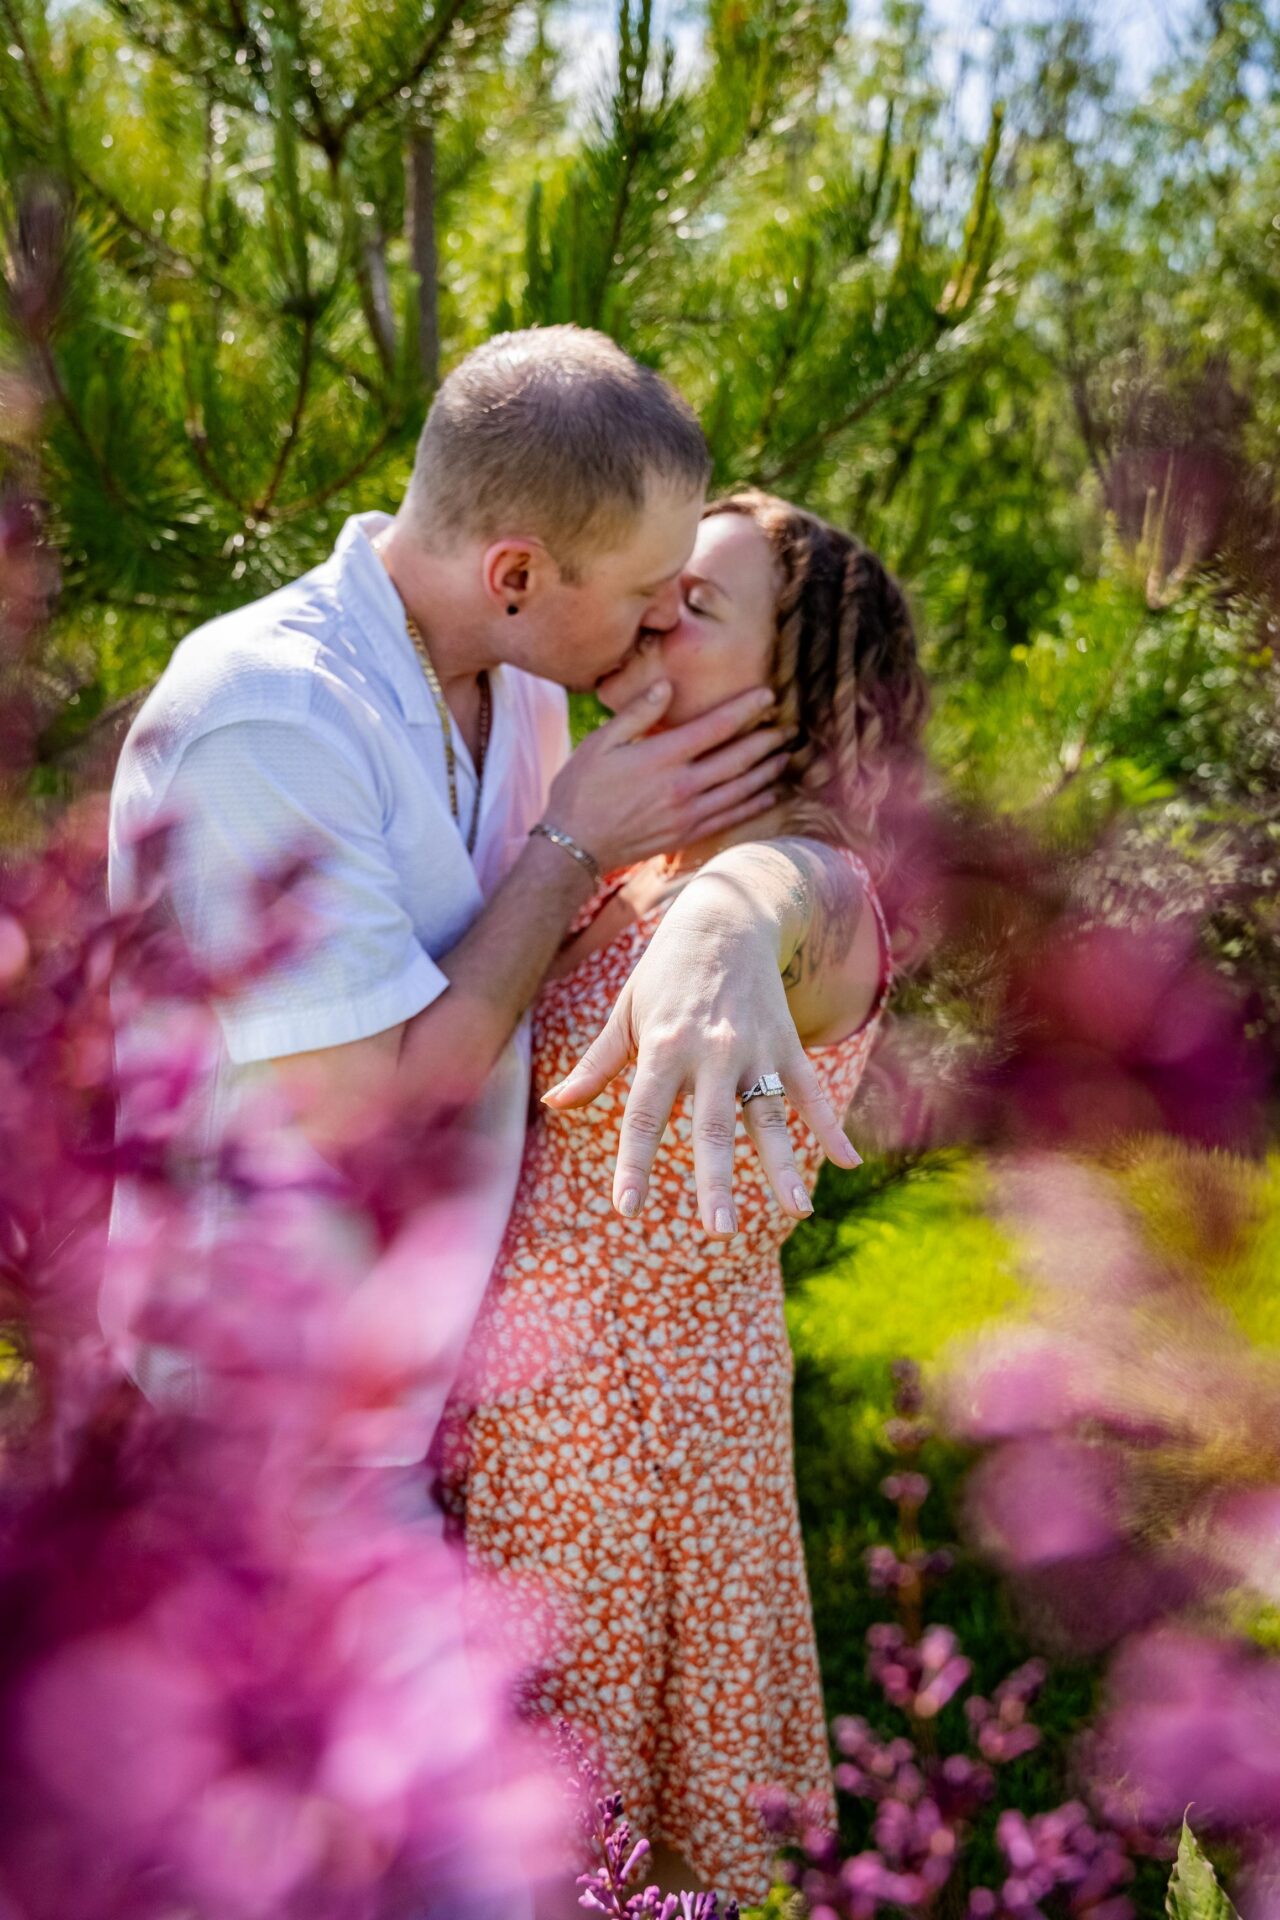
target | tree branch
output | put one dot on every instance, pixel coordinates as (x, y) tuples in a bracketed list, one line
[(237, 31), (70, 413), (296, 508), (443, 21), (186, 267), (807, 449), (791, 344), (196, 442), (263, 505), (370, 267), (210, 75), (326, 135)]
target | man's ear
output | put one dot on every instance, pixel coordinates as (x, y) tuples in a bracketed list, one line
[(514, 570)]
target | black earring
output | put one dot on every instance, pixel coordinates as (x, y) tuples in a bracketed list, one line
[(513, 609)]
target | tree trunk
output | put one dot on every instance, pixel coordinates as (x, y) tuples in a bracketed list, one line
[(377, 292), (421, 203)]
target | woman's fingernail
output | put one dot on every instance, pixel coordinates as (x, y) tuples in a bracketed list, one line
[(629, 1204), (725, 1222), (800, 1199), (764, 698), (658, 691), (552, 1092)]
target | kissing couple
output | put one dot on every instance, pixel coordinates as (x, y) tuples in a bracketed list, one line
[(637, 942)]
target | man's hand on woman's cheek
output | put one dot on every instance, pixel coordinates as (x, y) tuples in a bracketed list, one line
[(627, 792)]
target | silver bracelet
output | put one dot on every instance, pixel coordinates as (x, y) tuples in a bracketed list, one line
[(570, 845)]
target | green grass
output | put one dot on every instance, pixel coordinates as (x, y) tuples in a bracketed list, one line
[(895, 1264)]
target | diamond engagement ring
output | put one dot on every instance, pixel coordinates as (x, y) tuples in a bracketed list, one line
[(768, 1087)]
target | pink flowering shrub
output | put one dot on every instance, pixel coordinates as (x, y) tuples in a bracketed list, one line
[(1049, 1001), (1129, 1486), (232, 1674), (1133, 1428), (233, 1682)]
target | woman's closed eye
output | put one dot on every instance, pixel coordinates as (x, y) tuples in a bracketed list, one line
[(695, 600)]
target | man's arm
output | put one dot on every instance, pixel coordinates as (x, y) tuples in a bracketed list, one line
[(441, 1057), (762, 945), (622, 797)]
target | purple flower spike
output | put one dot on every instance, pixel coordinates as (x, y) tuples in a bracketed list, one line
[(920, 1677), (962, 1787), (1057, 1852), (850, 1734), (922, 1803), (1001, 1746), (942, 1687), (776, 1811), (909, 1490), (1000, 1726), (908, 1388), (885, 1572)]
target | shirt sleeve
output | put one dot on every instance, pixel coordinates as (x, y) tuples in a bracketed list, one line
[(247, 798)]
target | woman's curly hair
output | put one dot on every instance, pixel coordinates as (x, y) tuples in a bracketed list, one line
[(850, 691)]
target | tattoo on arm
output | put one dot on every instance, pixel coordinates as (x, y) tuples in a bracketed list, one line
[(835, 901), (823, 899)]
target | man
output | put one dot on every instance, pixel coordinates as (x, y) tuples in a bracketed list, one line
[(399, 713)]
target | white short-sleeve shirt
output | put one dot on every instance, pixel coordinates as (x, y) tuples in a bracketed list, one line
[(305, 720)]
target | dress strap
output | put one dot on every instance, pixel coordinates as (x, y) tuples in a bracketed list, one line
[(884, 978)]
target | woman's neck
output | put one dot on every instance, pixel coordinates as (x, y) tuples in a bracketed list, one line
[(774, 825)]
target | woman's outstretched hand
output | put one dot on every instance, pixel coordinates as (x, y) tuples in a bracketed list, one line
[(706, 1011)]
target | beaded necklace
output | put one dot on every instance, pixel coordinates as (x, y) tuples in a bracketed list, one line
[(446, 729)]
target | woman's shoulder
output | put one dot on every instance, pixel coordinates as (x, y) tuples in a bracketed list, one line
[(842, 971)]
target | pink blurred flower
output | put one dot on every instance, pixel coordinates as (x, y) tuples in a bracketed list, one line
[(1136, 1458), (1135, 1500), (1049, 1026), (240, 1673), (1045, 1499), (1192, 1721), (121, 1729)]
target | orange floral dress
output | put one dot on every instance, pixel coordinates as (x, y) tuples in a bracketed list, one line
[(622, 1439)]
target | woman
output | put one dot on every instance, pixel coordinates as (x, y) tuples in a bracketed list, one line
[(624, 1436)]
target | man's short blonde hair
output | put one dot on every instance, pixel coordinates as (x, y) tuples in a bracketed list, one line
[(555, 433)]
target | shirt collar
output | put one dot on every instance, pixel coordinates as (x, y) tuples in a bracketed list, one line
[(366, 594)]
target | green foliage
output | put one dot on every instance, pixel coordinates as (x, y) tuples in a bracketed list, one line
[(1194, 1893), (239, 357), (945, 338), (238, 343), (897, 1261)]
